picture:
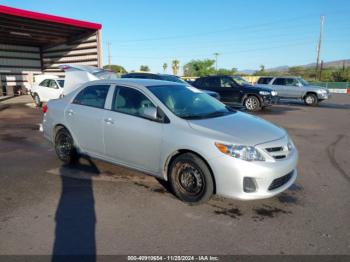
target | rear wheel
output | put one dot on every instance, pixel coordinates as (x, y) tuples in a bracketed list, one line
[(311, 100), (37, 101), (191, 179), (252, 103), (64, 147)]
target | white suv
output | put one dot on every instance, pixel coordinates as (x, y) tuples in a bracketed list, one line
[(47, 89)]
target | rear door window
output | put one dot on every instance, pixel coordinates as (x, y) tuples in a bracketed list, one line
[(280, 81), (264, 80), (93, 96), (211, 82)]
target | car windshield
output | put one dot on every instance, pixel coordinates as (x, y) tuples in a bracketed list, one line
[(303, 82), (240, 80), (173, 79), (189, 103), (61, 83)]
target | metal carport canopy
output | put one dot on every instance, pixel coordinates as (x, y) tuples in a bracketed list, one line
[(22, 27)]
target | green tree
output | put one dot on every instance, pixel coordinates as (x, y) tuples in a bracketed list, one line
[(144, 68), (296, 71), (200, 67), (116, 68), (224, 71), (175, 66), (165, 66)]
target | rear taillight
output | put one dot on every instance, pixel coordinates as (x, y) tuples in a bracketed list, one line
[(44, 108)]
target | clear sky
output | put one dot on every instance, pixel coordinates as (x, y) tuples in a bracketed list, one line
[(246, 33)]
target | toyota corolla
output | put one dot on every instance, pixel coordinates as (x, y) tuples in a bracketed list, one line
[(174, 132)]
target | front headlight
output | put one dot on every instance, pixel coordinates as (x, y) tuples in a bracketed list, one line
[(247, 153), (264, 93), (322, 91), (290, 144), (274, 93)]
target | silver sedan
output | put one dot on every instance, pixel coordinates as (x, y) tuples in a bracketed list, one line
[(174, 132)]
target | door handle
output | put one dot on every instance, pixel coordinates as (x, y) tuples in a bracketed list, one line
[(109, 121), (70, 112)]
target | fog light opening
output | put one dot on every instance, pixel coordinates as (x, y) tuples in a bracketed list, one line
[(249, 185)]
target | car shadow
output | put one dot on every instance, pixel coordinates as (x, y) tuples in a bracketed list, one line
[(75, 217), (325, 104)]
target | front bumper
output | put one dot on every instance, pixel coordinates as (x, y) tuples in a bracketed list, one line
[(267, 100), (230, 172), (324, 96)]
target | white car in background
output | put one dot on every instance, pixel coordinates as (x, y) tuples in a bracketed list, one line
[(47, 88)]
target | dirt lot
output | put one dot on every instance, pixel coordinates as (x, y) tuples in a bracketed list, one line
[(97, 207)]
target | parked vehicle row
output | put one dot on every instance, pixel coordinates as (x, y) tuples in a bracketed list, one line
[(165, 77), (174, 132)]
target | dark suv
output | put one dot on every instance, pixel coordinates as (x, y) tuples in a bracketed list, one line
[(166, 77), (235, 90)]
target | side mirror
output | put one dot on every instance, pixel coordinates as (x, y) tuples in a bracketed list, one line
[(298, 84), (150, 112)]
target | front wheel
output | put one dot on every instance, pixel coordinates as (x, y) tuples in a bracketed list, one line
[(190, 179), (252, 103), (37, 100), (64, 147), (311, 100)]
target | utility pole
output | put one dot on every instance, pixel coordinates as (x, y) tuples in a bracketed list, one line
[(216, 61), (321, 69), (109, 55), (319, 44)]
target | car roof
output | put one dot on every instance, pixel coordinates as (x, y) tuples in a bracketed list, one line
[(279, 77), (135, 82)]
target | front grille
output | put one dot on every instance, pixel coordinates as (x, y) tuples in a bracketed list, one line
[(274, 149), (280, 157), (278, 182)]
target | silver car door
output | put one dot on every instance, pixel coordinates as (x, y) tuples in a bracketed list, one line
[(130, 138), (292, 88), (278, 84), (85, 118)]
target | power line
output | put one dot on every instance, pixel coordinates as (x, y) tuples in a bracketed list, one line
[(217, 31)]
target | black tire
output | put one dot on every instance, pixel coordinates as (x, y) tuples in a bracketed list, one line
[(190, 179), (64, 147), (37, 101), (311, 100), (252, 103)]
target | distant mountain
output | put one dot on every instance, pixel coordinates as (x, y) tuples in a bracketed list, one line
[(334, 64), (278, 69), (247, 71)]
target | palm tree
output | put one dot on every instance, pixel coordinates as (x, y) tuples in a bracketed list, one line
[(175, 66), (165, 66)]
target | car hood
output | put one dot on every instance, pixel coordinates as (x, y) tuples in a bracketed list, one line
[(238, 128), (315, 88), (258, 88), (209, 92)]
